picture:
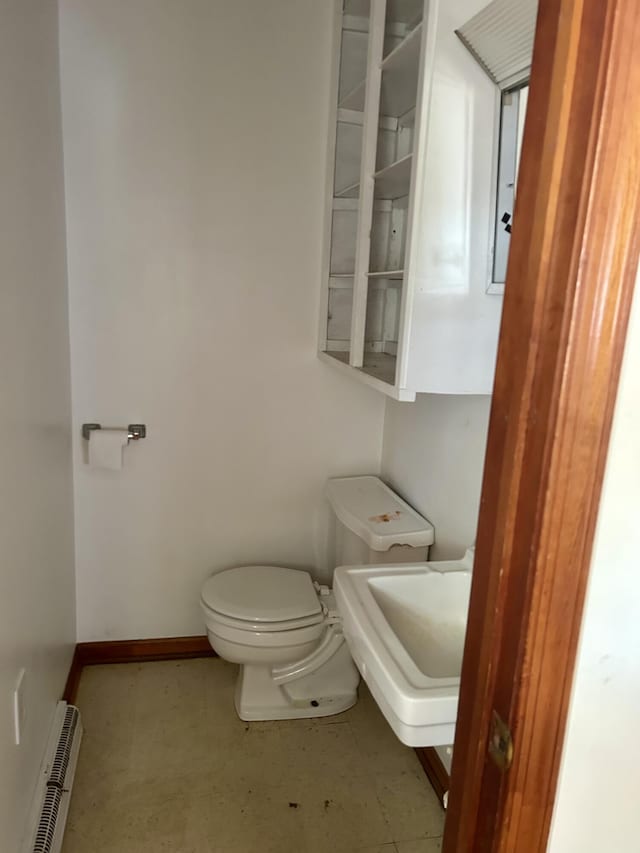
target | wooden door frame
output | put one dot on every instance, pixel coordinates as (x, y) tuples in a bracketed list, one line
[(571, 274)]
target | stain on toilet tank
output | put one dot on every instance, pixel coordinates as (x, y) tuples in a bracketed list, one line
[(385, 517)]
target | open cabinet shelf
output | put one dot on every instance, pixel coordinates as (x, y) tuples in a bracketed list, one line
[(341, 281), (394, 181), (381, 366), (400, 70), (404, 58), (391, 182), (392, 275), (354, 99), (400, 79), (410, 159), (407, 119), (350, 191), (378, 376)]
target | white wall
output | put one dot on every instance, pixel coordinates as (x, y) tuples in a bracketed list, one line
[(195, 137), (596, 805), (37, 627), (434, 456)]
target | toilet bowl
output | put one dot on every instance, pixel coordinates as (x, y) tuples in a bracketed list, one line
[(284, 629)]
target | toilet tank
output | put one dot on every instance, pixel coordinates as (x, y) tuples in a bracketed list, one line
[(374, 524)]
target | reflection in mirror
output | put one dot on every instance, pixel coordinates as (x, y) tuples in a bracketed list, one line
[(500, 38), (512, 115)]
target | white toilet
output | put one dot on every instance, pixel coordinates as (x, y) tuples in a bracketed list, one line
[(284, 629)]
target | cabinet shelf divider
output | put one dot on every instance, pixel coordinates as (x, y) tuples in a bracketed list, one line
[(395, 56), (394, 180), (392, 275)]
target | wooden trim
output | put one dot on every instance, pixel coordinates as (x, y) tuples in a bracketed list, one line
[(435, 770), (570, 279), (132, 651), (73, 678)]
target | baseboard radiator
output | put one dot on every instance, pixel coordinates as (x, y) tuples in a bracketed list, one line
[(51, 802)]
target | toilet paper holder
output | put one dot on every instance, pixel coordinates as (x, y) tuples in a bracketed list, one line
[(135, 431)]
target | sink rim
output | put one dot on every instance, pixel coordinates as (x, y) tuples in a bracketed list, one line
[(412, 709), (357, 579)]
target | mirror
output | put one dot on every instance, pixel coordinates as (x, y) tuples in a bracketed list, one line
[(513, 109)]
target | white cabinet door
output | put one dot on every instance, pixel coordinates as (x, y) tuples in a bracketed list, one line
[(412, 159)]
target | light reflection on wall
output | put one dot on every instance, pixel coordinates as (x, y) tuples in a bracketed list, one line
[(444, 253)]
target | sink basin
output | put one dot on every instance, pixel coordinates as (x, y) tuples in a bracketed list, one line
[(405, 627)]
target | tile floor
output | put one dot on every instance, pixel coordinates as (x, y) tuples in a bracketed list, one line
[(166, 766)]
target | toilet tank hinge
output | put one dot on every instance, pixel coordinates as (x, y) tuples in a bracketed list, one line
[(331, 617)]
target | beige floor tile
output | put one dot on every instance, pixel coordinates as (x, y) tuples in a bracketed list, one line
[(381, 848), (166, 765), (339, 815), (381, 750), (107, 701), (256, 819), (171, 744), (103, 756), (248, 760), (104, 686), (170, 690), (173, 680), (127, 820), (422, 845), (410, 806), (319, 753), (74, 839)]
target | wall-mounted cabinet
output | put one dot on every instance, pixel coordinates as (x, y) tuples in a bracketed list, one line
[(405, 306)]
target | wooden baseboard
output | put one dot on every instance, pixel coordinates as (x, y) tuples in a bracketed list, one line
[(73, 678), (435, 770), (132, 651)]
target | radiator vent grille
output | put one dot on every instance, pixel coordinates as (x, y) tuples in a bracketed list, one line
[(51, 800), (48, 820), (63, 750)]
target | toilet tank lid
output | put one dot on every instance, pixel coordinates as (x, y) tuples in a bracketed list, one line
[(376, 514)]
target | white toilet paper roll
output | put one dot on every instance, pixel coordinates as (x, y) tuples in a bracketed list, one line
[(105, 448)]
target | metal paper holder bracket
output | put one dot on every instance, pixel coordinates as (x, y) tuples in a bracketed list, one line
[(135, 431)]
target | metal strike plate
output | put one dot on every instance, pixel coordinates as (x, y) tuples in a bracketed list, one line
[(500, 743)]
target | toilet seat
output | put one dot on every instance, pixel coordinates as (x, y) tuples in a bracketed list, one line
[(266, 639), (261, 627), (262, 599)]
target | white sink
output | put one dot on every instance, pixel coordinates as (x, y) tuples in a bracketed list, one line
[(405, 626)]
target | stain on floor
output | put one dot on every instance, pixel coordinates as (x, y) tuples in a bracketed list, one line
[(166, 766)]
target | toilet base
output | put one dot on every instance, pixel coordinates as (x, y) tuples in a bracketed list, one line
[(330, 690)]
